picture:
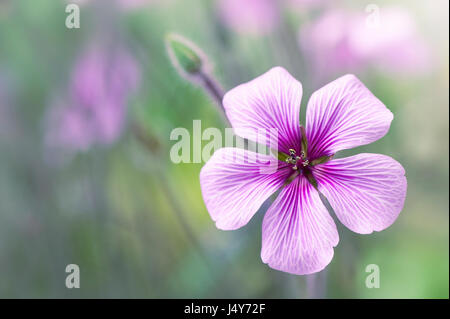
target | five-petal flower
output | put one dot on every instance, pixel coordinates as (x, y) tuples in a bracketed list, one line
[(366, 191)]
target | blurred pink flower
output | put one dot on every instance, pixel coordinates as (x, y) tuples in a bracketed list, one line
[(94, 112), (325, 42), (341, 40), (255, 17), (394, 43)]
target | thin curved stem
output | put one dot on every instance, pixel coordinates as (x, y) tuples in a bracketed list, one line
[(213, 88)]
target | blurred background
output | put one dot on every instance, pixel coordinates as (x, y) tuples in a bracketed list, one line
[(85, 119)]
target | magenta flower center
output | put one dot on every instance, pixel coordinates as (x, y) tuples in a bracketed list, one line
[(297, 162)]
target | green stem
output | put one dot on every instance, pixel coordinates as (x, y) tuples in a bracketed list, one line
[(213, 88)]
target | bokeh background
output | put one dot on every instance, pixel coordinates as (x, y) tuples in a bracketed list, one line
[(85, 119)]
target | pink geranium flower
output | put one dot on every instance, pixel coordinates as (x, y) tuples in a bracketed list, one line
[(366, 191)]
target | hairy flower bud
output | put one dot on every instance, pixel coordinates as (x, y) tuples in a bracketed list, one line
[(188, 59), (192, 64)]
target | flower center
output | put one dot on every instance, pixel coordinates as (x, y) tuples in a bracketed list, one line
[(296, 160)]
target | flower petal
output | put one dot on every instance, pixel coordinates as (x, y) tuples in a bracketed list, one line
[(298, 234), (366, 191), (342, 115), (271, 101), (236, 182)]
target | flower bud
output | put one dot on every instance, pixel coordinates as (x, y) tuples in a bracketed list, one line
[(192, 64), (187, 58)]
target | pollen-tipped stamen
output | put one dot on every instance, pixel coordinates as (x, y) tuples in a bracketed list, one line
[(293, 159)]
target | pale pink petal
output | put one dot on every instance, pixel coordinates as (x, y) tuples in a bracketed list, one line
[(342, 115), (234, 185), (366, 191), (271, 101), (298, 233), (89, 81)]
